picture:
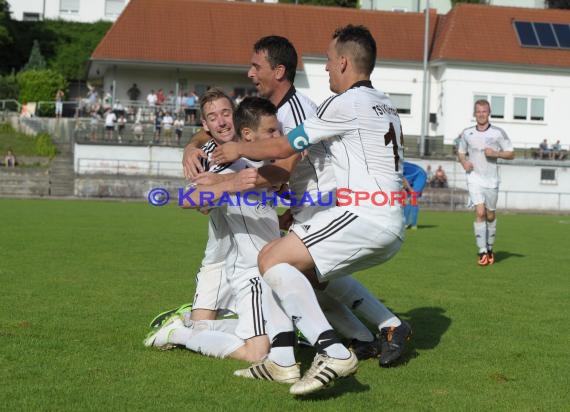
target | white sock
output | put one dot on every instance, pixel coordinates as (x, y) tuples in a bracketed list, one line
[(353, 294), (214, 343), (297, 299), (480, 229), (394, 321), (277, 322), (491, 231), (342, 319)]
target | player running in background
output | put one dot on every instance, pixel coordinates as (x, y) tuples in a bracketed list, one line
[(479, 148)]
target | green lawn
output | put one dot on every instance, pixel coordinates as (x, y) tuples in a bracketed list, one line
[(19, 143), (82, 279)]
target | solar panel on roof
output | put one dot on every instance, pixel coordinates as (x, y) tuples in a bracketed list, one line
[(562, 32), (545, 34), (526, 33)]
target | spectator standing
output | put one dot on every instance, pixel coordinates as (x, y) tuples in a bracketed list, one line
[(151, 98), (160, 97), (110, 120), (121, 123), (158, 125), (190, 107), (134, 93), (167, 123), (178, 129), (59, 103)]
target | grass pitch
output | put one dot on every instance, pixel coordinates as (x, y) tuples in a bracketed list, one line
[(82, 279)]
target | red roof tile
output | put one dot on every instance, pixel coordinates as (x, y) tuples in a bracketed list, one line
[(480, 33), (213, 32)]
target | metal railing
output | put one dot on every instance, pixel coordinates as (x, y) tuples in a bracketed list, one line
[(126, 167)]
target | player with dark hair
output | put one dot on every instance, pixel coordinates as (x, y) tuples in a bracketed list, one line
[(353, 237)]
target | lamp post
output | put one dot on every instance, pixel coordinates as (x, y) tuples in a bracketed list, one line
[(425, 105)]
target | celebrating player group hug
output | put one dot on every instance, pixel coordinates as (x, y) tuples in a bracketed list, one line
[(283, 289)]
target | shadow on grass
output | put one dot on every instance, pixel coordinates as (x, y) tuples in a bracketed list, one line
[(503, 255), (338, 388), (428, 326)]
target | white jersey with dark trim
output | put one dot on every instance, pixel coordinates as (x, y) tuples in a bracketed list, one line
[(218, 236), (252, 222), (485, 171), (314, 171), (367, 155)]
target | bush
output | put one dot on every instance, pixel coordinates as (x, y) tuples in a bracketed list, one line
[(39, 85), (9, 87), (45, 146)]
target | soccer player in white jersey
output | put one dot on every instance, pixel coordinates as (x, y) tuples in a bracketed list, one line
[(272, 71), (479, 148), (364, 132), (250, 228)]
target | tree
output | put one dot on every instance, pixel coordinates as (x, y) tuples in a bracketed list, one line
[(558, 4), (5, 38), (39, 84), (36, 60)]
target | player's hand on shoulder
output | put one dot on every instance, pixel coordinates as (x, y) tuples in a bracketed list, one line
[(207, 178), (245, 179), (191, 161), (228, 152)]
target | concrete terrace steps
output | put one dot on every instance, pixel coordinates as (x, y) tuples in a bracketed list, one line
[(62, 176)]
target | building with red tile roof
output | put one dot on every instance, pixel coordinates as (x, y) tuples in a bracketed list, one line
[(475, 51)]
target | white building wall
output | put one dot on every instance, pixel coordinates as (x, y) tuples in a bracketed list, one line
[(89, 10), (457, 87)]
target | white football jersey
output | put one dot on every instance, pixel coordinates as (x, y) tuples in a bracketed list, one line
[(218, 237), (367, 151), (314, 172), (485, 171), (252, 222)]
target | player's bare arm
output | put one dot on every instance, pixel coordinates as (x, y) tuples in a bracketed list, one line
[(499, 154), (243, 180), (275, 148), (467, 165)]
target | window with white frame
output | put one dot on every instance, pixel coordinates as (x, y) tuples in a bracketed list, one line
[(525, 108), (497, 104), (69, 6), (402, 102), (31, 16), (113, 8), (548, 176)]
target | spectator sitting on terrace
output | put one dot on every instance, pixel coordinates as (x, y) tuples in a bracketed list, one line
[(10, 159), (430, 176), (440, 178), (556, 152), (543, 150), (138, 131)]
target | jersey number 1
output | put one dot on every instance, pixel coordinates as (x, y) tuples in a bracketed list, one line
[(390, 137)]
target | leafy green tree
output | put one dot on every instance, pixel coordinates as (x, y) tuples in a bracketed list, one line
[(9, 86), (36, 60), (39, 84), (5, 37)]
